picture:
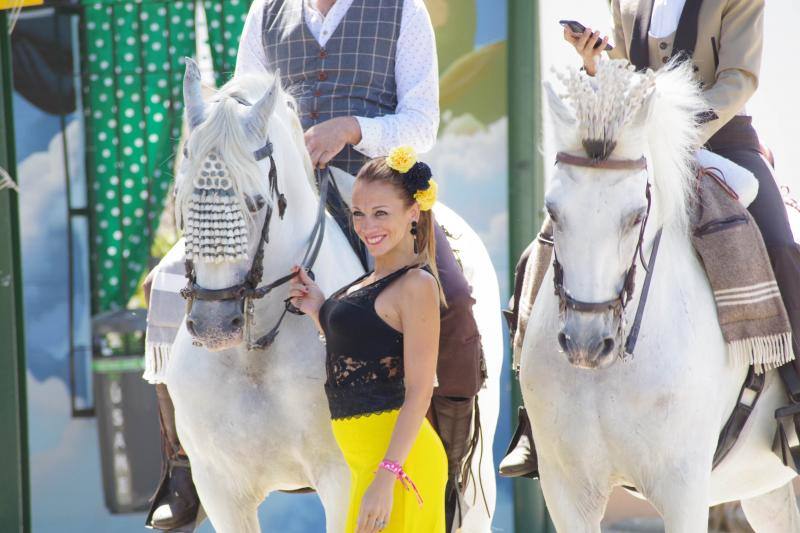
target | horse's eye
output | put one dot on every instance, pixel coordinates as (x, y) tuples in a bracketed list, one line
[(636, 219)]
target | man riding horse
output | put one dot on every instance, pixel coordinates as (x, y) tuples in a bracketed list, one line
[(365, 80)]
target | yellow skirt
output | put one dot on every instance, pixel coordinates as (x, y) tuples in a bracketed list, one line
[(364, 442)]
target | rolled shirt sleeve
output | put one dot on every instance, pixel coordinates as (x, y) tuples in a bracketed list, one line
[(416, 119)]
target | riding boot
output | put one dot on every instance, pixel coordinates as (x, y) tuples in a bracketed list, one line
[(457, 422), (786, 265), (520, 459), (175, 502)]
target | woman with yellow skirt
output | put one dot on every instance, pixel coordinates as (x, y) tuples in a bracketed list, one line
[(382, 339)]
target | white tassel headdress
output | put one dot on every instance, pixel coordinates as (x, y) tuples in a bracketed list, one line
[(606, 103), (216, 230)]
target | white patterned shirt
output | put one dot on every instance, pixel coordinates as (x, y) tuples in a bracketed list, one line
[(416, 119), (665, 18)]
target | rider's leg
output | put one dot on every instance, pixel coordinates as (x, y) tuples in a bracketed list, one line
[(739, 143), (175, 503), (460, 372), (520, 459)]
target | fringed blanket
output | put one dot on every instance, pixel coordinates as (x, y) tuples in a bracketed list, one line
[(165, 313), (750, 309), (751, 312)]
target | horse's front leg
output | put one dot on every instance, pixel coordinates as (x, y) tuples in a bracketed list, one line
[(333, 487), (230, 508), (575, 500), (680, 494)]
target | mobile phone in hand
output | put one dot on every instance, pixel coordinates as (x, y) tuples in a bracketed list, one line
[(578, 28)]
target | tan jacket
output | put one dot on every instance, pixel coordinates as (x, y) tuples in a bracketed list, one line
[(730, 78)]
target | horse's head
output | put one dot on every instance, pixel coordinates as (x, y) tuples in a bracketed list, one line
[(224, 202), (600, 200)]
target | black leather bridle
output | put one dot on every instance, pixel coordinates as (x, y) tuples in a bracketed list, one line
[(249, 290), (617, 304)]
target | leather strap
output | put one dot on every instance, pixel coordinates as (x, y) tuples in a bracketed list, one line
[(633, 335), (754, 383), (605, 164)]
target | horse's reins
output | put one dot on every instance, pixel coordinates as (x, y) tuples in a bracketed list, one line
[(249, 289), (618, 304)]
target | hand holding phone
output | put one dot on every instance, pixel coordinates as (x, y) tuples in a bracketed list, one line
[(577, 28)]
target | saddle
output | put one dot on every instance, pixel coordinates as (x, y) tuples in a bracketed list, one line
[(752, 317)]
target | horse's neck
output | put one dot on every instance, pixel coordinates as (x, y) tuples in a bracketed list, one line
[(677, 270)]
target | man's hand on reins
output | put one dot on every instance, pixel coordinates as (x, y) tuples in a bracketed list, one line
[(328, 138)]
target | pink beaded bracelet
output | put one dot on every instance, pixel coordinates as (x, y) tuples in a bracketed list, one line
[(395, 468)]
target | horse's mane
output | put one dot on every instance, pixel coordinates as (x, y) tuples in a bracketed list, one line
[(254, 86), (673, 136), (222, 131), (606, 106)]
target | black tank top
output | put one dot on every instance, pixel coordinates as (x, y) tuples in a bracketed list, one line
[(364, 362)]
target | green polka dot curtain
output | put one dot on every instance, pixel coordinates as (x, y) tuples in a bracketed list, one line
[(225, 21), (133, 71)]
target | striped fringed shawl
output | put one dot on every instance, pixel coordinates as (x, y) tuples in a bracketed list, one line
[(749, 305)]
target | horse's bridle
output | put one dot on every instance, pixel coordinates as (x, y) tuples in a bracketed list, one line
[(249, 290), (618, 304)]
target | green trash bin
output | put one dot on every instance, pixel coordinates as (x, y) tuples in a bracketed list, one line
[(126, 410)]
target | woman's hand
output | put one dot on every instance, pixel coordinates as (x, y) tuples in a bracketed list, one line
[(305, 294), (376, 505), (585, 46)]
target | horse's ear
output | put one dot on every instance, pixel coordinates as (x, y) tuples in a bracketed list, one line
[(193, 94), (261, 111), (560, 113)]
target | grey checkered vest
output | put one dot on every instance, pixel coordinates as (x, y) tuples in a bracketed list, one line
[(352, 75)]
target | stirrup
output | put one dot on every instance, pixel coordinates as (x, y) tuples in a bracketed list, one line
[(788, 419)]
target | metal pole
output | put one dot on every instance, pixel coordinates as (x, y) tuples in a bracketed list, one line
[(14, 488), (526, 197)]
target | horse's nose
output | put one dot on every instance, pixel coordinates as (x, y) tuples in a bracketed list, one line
[(587, 350), (237, 321)]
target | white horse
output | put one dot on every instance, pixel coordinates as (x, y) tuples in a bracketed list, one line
[(653, 420), (257, 421)]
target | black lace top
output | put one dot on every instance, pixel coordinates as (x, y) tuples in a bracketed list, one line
[(364, 362)]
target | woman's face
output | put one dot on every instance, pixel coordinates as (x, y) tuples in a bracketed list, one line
[(381, 218)]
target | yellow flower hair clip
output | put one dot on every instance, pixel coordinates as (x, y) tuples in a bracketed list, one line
[(427, 197), (401, 159)]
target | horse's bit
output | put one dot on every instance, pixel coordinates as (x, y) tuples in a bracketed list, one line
[(249, 289), (618, 304)]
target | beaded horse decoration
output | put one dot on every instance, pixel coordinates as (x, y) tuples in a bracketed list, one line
[(216, 230)]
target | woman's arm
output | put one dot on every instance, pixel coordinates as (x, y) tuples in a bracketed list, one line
[(419, 315), (741, 42)]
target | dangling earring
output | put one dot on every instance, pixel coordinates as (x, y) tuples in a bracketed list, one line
[(414, 233)]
